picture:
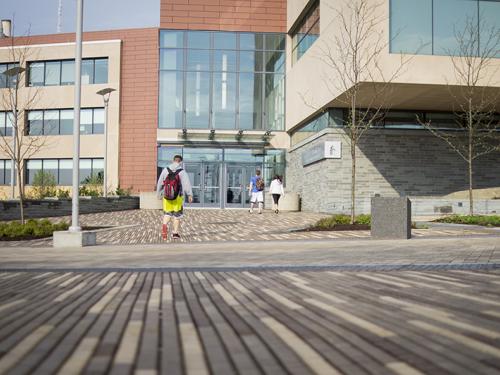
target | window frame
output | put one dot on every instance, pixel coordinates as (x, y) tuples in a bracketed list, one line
[(59, 110), (58, 178)]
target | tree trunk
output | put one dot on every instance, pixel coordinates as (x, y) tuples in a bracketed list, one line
[(353, 181), (21, 194), (471, 196)]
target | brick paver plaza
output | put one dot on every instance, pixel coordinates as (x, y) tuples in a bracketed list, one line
[(423, 306)]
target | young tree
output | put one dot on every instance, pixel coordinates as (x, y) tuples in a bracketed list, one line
[(354, 55), (474, 96), (17, 100)]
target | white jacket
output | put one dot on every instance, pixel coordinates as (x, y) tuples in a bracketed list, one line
[(276, 187)]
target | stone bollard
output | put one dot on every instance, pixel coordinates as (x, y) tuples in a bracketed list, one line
[(391, 218)]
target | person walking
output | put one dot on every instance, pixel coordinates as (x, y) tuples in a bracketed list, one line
[(256, 189), (173, 185), (277, 191)]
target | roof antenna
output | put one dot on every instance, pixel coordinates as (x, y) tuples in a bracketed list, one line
[(59, 17)]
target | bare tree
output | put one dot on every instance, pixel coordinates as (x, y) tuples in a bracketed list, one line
[(474, 96), (354, 55), (17, 100)]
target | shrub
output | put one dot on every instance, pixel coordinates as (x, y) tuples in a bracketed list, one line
[(14, 230), (123, 192), (62, 193), (491, 221), (92, 185), (363, 219), (43, 185)]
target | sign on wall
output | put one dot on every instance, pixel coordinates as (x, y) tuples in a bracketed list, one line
[(323, 150)]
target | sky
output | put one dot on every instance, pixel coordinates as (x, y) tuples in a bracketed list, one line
[(37, 17)]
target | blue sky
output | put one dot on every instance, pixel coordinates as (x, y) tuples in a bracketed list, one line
[(40, 16)]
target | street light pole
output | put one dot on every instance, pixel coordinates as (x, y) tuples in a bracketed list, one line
[(76, 122), (105, 93)]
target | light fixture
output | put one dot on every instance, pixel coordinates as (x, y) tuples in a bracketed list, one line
[(184, 133), (267, 133)]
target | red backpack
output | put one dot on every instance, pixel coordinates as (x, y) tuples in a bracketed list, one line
[(172, 185)]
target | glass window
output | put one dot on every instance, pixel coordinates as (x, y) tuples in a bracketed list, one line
[(8, 165), (198, 39), (51, 122), (224, 40), (250, 110), (36, 74), (307, 32), (98, 123), (66, 122), (411, 26), (198, 60), (35, 122), (251, 61), (171, 59), (85, 169), (274, 103), (275, 61), (68, 72), (489, 16), (171, 39), (224, 100), (87, 72), (275, 42), (97, 167), (52, 73), (86, 121), (9, 123), (402, 120), (249, 41), (452, 17), (225, 61), (2, 171), (3, 77), (51, 167), (197, 99), (32, 167), (202, 154), (171, 107), (101, 71), (2, 124), (65, 172)]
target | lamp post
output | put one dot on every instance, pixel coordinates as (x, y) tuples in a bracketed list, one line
[(76, 119), (105, 93), (10, 73)]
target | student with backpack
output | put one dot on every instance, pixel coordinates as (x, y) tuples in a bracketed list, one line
[(256, 189), (172, 186)]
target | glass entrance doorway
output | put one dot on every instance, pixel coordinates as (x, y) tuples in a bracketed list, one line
[(236, 186), (205, 179)]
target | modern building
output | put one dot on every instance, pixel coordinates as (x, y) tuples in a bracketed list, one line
[(236, 86)]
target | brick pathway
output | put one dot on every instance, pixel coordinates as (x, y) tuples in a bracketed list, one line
[(259, 322), (143, 227)]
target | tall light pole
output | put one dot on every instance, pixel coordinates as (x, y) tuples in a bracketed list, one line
[(105, 93), (10, 73), (75, 227)]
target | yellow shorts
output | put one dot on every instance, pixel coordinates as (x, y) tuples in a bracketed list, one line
[(173, 207)]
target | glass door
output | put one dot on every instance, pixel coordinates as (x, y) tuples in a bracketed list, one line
[(236, 185), (205, 181)]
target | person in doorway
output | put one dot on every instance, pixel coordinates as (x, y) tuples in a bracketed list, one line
[(277, 191), (256, 189), (173, 185)]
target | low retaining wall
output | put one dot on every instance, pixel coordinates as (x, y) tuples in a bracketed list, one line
[(9, 210)]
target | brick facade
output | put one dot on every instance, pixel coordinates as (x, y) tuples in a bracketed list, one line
[(390, 163), (138, 99), (225, 15)]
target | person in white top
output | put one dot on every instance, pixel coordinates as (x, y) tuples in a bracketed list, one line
[(276, 190)]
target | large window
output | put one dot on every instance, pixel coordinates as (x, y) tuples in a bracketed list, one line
[(306, 33), (221, 80), (60, 121), (436, 26), (5, 172), (57, 73), (332, 118), (62, 169), (6, 81), (6, 119)]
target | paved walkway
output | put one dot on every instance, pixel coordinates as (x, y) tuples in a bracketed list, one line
[(303, 322), (143, 227)]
